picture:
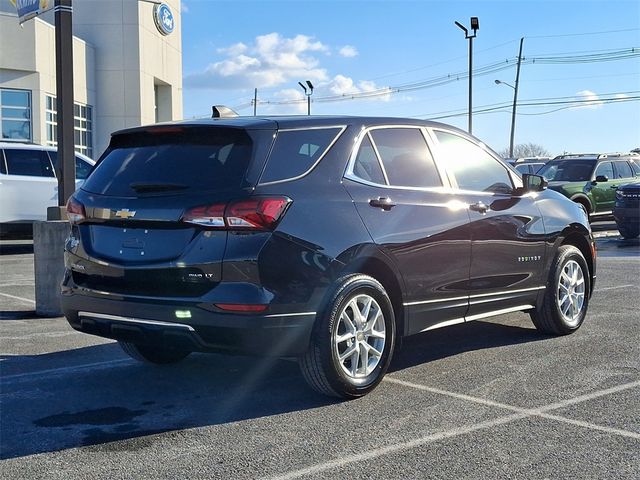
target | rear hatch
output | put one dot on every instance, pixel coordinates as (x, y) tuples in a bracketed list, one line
[(135, 201)]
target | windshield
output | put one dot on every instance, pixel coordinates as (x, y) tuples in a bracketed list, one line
[(178, 160), (568, 170)]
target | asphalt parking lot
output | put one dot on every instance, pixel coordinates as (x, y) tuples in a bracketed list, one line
[(490, 399)]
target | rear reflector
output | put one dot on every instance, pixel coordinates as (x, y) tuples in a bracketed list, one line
[(257, 213), (241, 307), (75, 211)]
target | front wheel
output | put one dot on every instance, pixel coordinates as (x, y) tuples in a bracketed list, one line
[(628, 232), (566, 296), (353, 340), (151, 354)]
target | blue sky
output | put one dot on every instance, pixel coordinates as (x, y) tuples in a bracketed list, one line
[(354, 47)]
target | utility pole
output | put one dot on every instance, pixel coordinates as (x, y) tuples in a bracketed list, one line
[(255, 102), (64, 100), (515, 100)]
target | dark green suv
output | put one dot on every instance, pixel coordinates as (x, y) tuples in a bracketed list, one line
[(591, 179)]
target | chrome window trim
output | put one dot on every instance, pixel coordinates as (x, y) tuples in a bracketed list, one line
[(310, 169), (516, 181), (144, 321), (445, 186), (479, 295)]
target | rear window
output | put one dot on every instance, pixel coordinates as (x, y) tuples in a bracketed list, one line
[(172, 159), (295, 152), (568, 170)]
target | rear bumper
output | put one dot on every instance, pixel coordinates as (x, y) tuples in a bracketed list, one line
[(185, 324)]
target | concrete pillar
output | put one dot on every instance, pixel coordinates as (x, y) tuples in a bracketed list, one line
[(48, 258)]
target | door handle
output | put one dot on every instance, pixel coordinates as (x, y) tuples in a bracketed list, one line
[(479, 207), (384, 203), (613, 186)]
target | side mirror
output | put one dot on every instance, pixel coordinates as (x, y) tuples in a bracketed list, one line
[(602, 178), (533, 183)]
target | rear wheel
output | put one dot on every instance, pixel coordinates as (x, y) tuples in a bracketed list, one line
[(353, 340), (152, 354), (566, 297)]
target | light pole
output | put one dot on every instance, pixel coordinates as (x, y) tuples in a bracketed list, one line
[(515, 99), (475, 26), (308, 92)]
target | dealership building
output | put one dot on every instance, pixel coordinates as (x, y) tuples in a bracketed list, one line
[(127, 57)]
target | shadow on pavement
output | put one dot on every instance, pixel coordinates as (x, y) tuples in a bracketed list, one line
[(95, 395)]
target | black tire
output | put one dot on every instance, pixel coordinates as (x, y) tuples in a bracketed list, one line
[(628, 232), (550, 318), (151, 354), (321, 366)]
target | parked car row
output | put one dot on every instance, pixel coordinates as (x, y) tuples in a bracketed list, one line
[(28, 184)]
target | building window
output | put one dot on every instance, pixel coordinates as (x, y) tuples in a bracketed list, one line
[(82, 126), (15, 114)]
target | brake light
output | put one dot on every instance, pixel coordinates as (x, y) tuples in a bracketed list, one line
[(75, 211), (259, 213)]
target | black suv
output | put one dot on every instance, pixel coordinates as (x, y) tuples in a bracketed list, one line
[(321, 238)]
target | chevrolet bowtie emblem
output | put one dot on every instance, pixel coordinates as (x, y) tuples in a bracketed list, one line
[(125, 213)]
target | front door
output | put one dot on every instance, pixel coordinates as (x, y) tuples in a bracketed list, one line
[(507, 232)]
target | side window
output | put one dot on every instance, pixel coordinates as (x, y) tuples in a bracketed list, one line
[(635, 167), (622, 170), (3, 166), (82, 169), (406, 157), (297, 151), (32, 163), (606, 169), (367, 166), (473, 168)]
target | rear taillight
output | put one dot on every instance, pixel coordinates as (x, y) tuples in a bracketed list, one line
[(258, 213), (75, 211)]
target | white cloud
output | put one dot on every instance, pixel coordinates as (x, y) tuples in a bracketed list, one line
[(233, 50), (621, 95), (341, 85), (348, 51), (184, 8), (589, 99), (272, 60)]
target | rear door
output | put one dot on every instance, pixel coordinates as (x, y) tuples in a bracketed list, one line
[(29, 186), (507, 231), (405, 204)]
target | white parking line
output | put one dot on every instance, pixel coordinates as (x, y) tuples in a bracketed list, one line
[(27, 300), (398, 447), (520, 413), (613, 288)]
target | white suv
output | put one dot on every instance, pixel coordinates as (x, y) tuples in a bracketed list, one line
[(28, 184)]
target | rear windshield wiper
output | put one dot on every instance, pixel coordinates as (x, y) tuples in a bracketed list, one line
[(142, 187)]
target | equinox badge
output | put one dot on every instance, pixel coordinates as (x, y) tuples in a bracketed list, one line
[(125, 213)]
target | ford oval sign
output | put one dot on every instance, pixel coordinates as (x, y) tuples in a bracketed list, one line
[(162, 15)]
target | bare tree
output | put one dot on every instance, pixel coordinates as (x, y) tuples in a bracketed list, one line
[(526, 150)]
